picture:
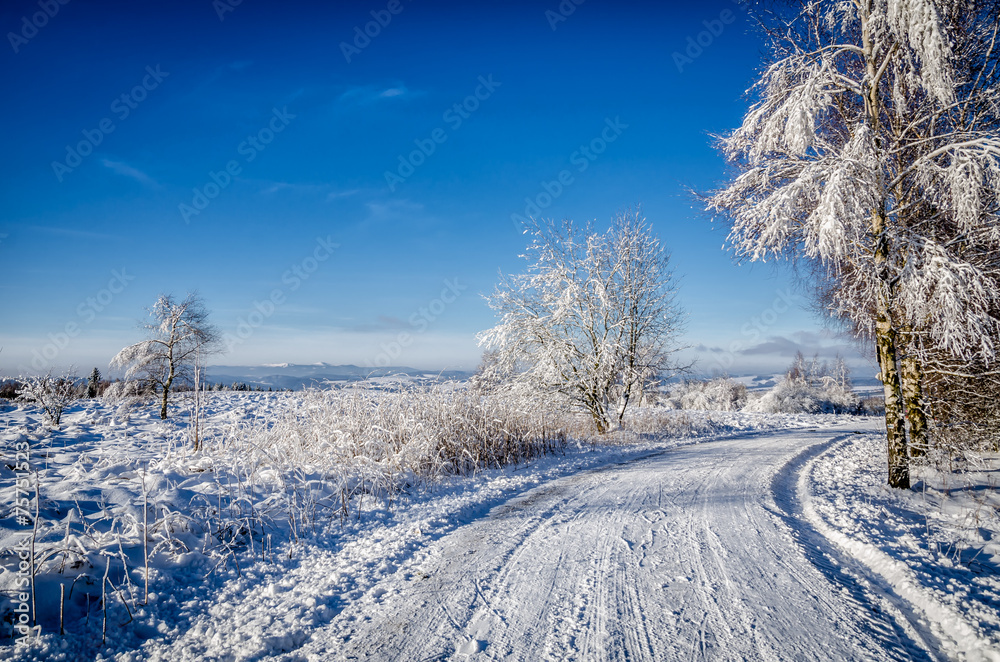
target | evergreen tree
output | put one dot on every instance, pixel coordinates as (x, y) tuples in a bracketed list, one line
[(94, 384)]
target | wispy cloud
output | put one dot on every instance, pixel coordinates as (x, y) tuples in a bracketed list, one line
[(393, 210), (368, 94), (223, 69), (773, 354), (293, 187), (270, 187), (807, 342), (125, 170), (333, 195)]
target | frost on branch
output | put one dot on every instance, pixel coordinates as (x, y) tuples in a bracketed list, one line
[(593, 321), (871, 152), (180, 337), (815, 169), (52, 394)]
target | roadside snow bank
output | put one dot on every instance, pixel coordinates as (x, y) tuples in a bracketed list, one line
[(938, 550)]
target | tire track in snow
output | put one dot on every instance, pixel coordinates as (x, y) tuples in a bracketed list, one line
[(681, 554), (896, 582), (906, 637)]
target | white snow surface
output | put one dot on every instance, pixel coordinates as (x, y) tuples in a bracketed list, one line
[(769, 537)]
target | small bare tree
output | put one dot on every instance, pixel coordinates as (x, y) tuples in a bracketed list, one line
[(52, 394), (180, 333), (594, 320)]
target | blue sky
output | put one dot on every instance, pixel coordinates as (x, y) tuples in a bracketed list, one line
[(243, 151)]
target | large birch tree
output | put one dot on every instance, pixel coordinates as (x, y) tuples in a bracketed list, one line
[(871, 147)]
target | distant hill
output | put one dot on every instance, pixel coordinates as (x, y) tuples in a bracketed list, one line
[(298, 376), (757, 382)]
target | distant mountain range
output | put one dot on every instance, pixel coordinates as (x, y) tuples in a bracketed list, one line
[(298, 376)]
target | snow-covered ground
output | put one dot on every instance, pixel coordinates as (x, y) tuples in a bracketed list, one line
[(739, 536), (930, 556)]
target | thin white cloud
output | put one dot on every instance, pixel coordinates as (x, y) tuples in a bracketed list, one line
[(125, 170), (270, 187), (333, 195), (368, 94), (275, 187)]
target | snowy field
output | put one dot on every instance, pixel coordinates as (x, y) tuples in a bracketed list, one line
[(716, 535)]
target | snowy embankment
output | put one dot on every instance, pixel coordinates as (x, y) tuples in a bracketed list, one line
[(244, 521), (933, 552)]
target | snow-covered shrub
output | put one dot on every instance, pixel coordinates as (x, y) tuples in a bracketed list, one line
[(52, 394), (127, 394), (719, 394), (661, 422), (360, 441), (789, 396), (810, 389)]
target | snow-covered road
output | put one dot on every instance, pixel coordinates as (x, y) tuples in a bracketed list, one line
[(692, 553)]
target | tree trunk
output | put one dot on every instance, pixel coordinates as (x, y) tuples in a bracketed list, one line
[(885, 341), (166, 392), (163, 406), (593, 404), (885, 331), (886, 345), (622, 408), (172, 366), (911, 378)]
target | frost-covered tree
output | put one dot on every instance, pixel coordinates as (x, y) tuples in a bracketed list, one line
[(53, 394), (872, 147), (594, 320), (179, 334)]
